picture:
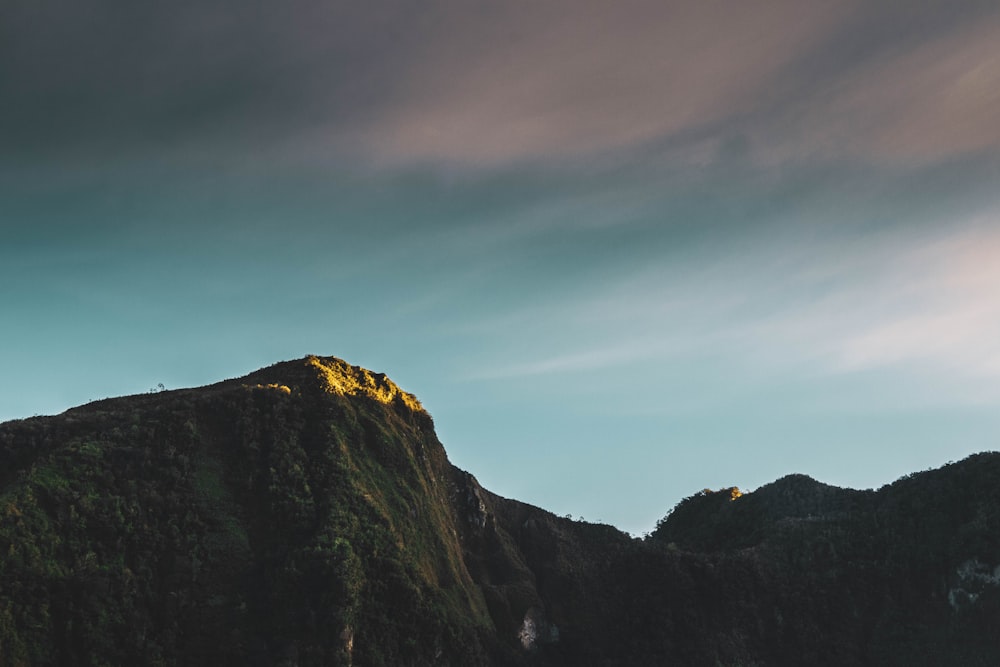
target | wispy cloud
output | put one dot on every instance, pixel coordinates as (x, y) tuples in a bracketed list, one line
[(551, 80), (592, 359), (889, 303), (931, 100), (904, 305), (953, 319), (837, 80), (495, 84)]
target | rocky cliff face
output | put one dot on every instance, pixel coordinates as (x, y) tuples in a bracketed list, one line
[(307, 515)]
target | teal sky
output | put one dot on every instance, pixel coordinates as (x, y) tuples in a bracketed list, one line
[(620, 251)]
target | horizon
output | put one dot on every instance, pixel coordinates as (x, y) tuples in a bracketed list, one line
[(620, 252)]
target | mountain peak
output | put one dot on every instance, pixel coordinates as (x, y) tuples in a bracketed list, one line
[(344, 379), (334, 376)]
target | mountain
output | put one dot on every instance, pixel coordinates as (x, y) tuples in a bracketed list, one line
[(307, 514)]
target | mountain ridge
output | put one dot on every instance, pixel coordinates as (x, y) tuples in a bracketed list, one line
[(307, 514)]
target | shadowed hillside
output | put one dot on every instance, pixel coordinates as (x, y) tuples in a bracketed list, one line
[(306, 514)]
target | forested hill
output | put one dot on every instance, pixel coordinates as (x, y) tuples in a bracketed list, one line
[(307, 514)]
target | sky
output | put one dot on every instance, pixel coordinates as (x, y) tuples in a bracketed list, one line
[(621, 251)]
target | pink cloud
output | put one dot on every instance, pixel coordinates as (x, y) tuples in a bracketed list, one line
[(937, 99), (554, 81)]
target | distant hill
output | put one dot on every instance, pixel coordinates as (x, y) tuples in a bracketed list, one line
[(307, 514)]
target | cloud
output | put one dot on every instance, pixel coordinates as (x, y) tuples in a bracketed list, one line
[(931, 100), (192, 78), (889, 302), (390, 84), (592, 359), (741, 314), (786, 81), (953, 320), (550, 80)]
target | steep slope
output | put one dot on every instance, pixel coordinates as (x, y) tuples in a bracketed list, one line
[(299, 515), (306, 514)]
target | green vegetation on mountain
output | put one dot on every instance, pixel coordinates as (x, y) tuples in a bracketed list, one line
[(306, 514), (251, 522)]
